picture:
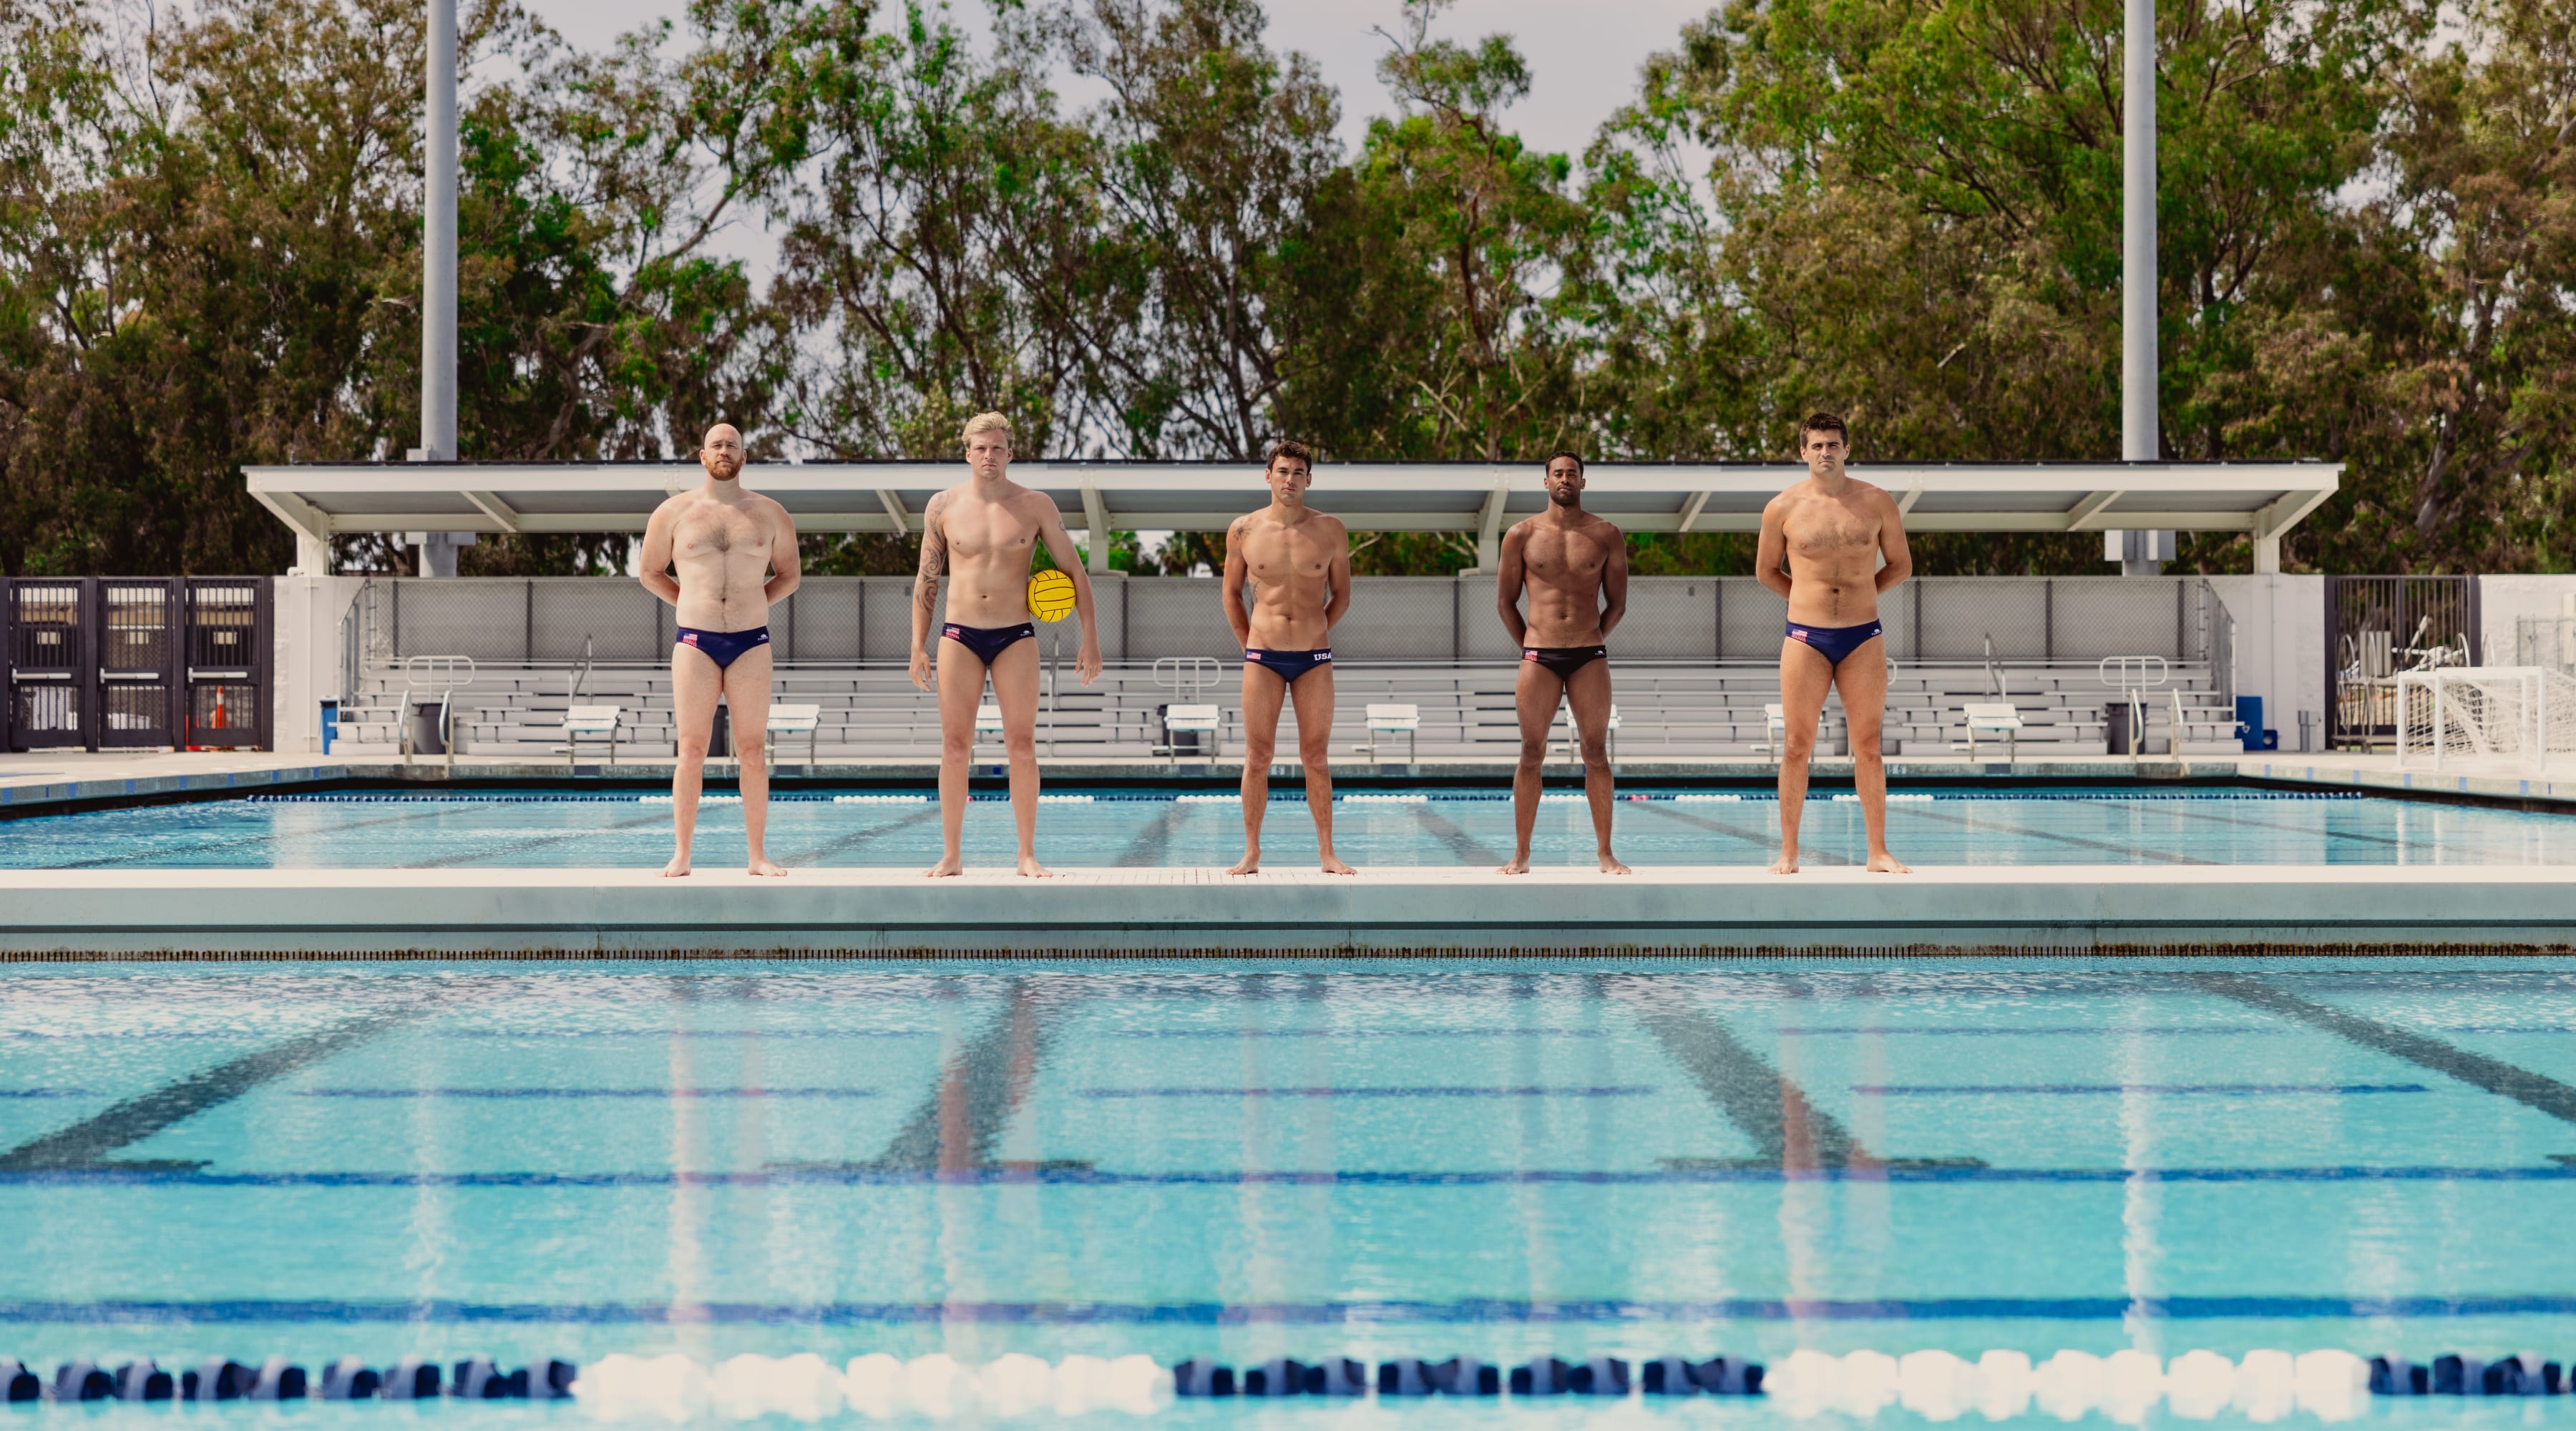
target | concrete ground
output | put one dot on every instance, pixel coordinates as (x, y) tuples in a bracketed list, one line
[(517, 913)]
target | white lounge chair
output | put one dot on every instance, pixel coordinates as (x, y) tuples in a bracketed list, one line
[(1396, 718), (1994, 718), (1188, 719), (1574, 733), (1775, 729), (804, 720), (594, 722)]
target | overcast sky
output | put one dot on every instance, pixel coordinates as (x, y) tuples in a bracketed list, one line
[(1583, 57)]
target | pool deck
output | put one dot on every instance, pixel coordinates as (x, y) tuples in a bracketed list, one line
[(523, 912), (32, 781)]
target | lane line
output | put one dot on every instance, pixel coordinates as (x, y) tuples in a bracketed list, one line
[(537, 842), (1767, 842), (1676, 1172), (961, 1119), (1429, 1091), (2077, 841), (665, 1094), (1147, 849), (1785, 1127), (89, 1142), (1468, 849), (2247, 1089), (845, 843), (2505, 1080), (1462, 1311)]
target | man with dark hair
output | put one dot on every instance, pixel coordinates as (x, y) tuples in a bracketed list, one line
[(1300, 563), (1831, 545), (1575, 568)]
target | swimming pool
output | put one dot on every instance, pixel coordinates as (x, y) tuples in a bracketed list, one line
[(2090, 825), (1245, 1161)]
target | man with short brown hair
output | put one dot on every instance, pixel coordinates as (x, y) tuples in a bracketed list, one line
[(1299, 561), (1821, 547)]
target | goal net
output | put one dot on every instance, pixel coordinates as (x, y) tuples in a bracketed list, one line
[(2519, 717)]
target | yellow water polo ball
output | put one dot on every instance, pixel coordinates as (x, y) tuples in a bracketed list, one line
[(1051, 596)]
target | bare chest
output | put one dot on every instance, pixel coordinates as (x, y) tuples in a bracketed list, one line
[(982, 530), (1564, 556), (1824, 529), (721, 531), (1277, 554)]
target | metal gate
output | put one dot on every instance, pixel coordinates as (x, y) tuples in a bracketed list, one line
[(228, 659), (52, 701), (108, 662), (2379, 626), (136, 620)]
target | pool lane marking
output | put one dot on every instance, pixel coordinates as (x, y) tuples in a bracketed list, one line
[(1679, 1172), (851, 841), (2085, 1030), (2241, 1089), (2078, 841), (961, 1119), (1785, 1127), (667, 1094), (1763, 840), (539, 842), (88, 1143), (2505, 1080), (1147, 849), (1426, 1091), (265, 837), (1465, 1311), (1468, 849)]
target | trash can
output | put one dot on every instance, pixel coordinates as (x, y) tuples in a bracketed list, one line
[(426, 737), (2115, 719)]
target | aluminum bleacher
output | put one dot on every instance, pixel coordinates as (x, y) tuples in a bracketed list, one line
[(1668, 711)]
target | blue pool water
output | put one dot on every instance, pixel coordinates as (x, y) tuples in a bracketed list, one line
[(2085, 825), (1244, 1161)]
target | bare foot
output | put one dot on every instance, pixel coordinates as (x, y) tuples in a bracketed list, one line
[(1249, 864), (1519, 865), (1031, 869), (767, 866), (1610, 864), (1885, 863), (678, 866), (945, 869), (1786, 864), (1333, 865)]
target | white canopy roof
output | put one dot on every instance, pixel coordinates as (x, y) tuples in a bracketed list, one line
[(2264, 499)]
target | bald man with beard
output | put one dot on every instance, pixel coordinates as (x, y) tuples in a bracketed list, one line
[(723, 556)]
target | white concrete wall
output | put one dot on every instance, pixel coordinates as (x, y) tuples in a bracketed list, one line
[(2280, 646), (2504, 600), (305, 658)]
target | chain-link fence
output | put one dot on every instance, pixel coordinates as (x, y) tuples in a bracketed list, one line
[(868, 620)]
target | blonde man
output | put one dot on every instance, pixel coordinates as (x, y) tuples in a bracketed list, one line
[(981, 534)]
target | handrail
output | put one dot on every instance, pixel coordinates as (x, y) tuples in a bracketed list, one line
[(1192, 674), (424, 673), (2128, 676), (581, 676)]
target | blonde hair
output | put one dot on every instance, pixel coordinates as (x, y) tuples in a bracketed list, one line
[(988, 422)]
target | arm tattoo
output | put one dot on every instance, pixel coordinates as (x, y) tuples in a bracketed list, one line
[(934, 560)]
